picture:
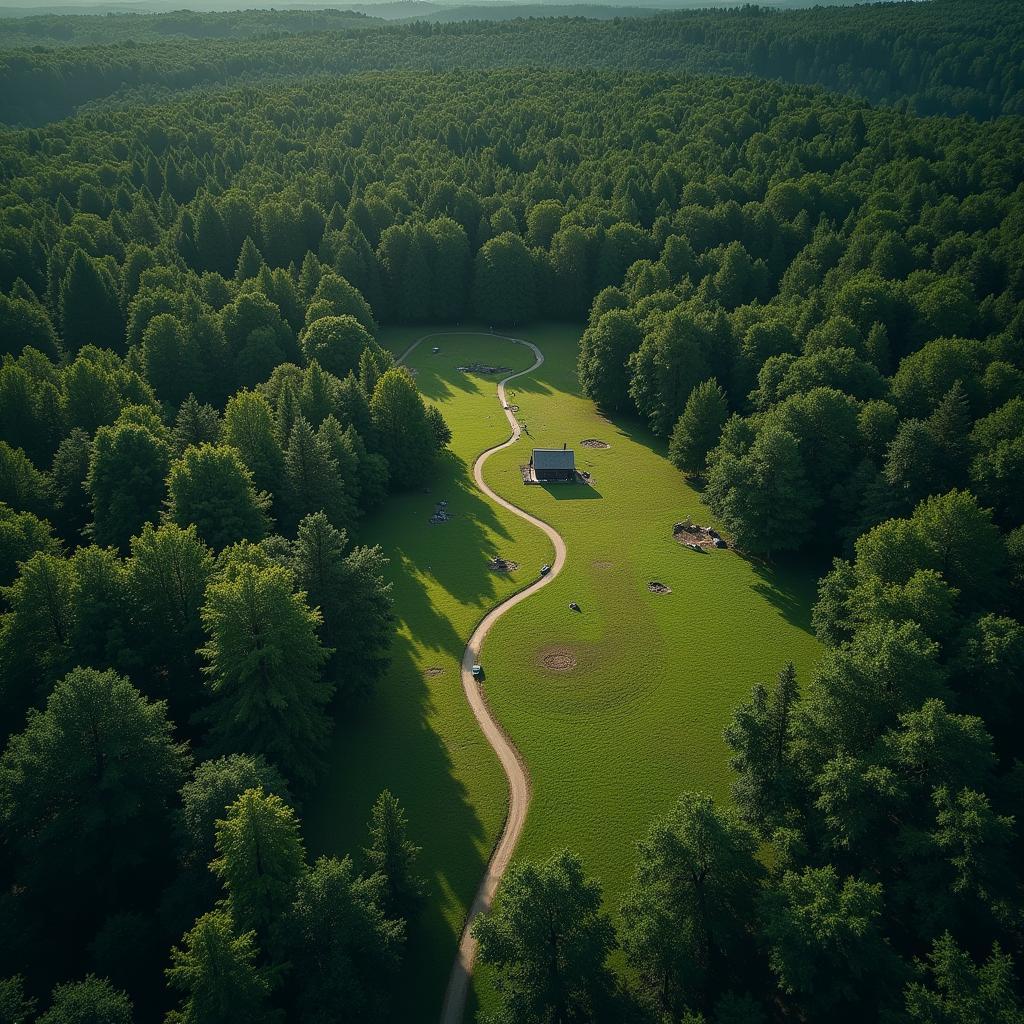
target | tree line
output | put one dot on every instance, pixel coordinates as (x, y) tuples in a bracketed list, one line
[(941, 57)]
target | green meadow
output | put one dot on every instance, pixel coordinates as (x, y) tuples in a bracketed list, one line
[(611, 741)]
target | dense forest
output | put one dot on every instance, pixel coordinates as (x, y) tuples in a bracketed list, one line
[(943, 56), (817, 303)]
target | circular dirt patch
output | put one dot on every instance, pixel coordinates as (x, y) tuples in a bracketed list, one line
[(658, 588), (557, 659), (514, 408), (600, 564), (593, 442), (434, 671)]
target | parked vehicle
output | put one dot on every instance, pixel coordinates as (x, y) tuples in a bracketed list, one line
[(545, 569), (477, 671)]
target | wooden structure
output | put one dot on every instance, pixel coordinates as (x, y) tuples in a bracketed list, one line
[(553, 464)]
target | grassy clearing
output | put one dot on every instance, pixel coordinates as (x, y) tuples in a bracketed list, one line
[(609, 743), (416, 736)]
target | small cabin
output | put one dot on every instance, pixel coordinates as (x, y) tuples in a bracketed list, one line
[(553, 464)]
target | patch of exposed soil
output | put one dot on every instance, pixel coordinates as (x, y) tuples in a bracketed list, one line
[(659, 588), (695, 536), (502, 565), (484, 369), (433, 671), (601, 564), (593, 442), (556, 659)]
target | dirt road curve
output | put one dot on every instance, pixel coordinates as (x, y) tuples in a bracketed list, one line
[(518, 781)]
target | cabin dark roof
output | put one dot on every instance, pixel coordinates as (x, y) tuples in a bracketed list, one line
[(553, 458)]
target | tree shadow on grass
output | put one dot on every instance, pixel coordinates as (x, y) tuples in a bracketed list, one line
[(387, 742), (454, 553), (791, 586)]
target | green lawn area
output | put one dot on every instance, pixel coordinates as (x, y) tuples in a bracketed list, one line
[(610, 743)]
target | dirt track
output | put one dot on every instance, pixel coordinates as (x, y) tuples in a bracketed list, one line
[(518, 781)]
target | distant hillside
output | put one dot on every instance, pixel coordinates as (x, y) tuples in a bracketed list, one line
[(941, 57)]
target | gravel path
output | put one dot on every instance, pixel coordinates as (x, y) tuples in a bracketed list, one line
[(515, 771)]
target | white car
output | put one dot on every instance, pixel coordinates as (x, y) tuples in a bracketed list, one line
[(477, 671)]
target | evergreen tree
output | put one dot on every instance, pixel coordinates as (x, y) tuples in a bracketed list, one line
[(316, 396), (22, 486), (214, 787), (402, 430), (759, 736), (825, 944), (547, 941), (344, 950), (92, 1001), (763, 497), (260, 859), (87, 789), (249, 427), (171, 359), (195, 424), (217, 971), (697, 430), (353, 597), (312, 480), (961, 990), (686, 917), (69, 473), (166, 577), (392, 857), (604, 349), (15, 1006), (90, 310), (127, 469), (263, 665), (250, 261), (504, 285), (211, 487)]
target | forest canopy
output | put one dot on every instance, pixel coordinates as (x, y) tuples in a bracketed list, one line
[(813, 303), (943, 56)]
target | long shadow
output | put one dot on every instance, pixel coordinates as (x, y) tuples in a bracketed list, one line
[(454, 553), (417, 768), (571, 492), (791, 586)]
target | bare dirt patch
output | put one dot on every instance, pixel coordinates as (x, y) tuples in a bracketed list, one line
[(502, 565), (593, 442), (483, 369), (695, 536), (556, 659), (659, 588), (601, 564), (433, 671)]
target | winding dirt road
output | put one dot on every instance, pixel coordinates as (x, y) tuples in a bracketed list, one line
[(518, 780)]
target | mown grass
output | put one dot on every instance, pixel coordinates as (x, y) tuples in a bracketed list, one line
[(612, 743), (416, 735), (609, 744)]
